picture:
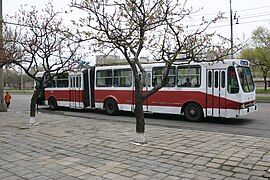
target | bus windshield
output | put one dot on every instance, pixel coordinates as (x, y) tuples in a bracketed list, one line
[(246, 79)]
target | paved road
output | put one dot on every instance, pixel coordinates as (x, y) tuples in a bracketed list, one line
[(256, 124)]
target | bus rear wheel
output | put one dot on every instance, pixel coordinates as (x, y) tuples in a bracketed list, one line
[(193, 112), (111, 107), (52, 103)]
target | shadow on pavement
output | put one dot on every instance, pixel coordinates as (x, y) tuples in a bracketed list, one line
[(157, 117)]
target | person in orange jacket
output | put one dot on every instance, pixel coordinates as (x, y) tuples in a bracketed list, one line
[(7, 99)]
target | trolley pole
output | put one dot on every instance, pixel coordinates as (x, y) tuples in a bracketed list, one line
[(231, 22), (3, 107)]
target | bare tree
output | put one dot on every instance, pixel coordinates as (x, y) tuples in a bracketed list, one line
[(154, 27), (38, 38)]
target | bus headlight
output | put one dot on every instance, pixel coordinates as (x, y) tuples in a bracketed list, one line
[(242, 106)]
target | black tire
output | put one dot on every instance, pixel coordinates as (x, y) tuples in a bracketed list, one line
[(52, 104), (111, 107), (193, 112)]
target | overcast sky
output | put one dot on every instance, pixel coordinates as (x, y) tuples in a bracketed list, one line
[(250, 13)]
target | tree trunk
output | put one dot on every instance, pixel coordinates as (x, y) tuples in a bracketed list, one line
[(32, 120), (265, 82), (140, 124)]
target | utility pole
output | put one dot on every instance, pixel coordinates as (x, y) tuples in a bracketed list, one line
[(231, 21), (3, 106)]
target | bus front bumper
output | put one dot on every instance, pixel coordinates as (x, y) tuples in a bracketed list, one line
[(248, 110)]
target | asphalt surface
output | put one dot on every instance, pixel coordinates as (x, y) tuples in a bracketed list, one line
[(255, 124)]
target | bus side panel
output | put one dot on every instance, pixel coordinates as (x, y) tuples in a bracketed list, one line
[(174, 100), (123, 97), (62, 96)]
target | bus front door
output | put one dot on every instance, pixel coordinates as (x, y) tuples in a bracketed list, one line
[(216, 93), (75, 91)]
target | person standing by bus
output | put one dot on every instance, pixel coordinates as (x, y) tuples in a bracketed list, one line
[(7, 99)]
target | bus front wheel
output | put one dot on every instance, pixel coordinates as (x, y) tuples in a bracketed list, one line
[(193, 112), (52, 103), (111, 107)]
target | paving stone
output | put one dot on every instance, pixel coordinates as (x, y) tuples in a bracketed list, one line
[(114, 176), (213, 165), (240, 170), (241, 176), (141, 177), (258, 178), (65, 147), (225, 173), (231, 163)]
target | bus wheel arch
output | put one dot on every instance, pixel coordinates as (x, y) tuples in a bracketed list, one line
[(192, 111), (111, 106), (52, 102)]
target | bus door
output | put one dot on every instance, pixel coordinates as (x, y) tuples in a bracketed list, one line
[(75, 91), (146, 87), (216, 93)]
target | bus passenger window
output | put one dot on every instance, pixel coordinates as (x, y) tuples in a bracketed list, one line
[(74, 82), (216, 79), (233, 86), (158, 74), (122, 78), (189, 76), (209, 79), (62, 80), (223, 79), (104, 78)]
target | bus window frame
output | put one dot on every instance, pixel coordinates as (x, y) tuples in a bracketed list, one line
[(154, 79), (235, 89), (105, 78), (199, 75), (119, 78)]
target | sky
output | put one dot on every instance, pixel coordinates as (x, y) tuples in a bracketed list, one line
[(250, 13)]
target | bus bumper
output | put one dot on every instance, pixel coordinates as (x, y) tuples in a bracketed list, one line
[(248, 110)]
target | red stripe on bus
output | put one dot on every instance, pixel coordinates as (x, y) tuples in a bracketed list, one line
[(65, 95), (169, 98), (160, 98)]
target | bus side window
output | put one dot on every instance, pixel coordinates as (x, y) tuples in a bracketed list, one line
[(189, 76), (158, 74), (209, 78), (104, 78), (122, 78), (223, 79), (216, 79), (233, 86)]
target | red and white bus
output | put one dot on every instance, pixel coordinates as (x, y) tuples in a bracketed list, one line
[(196, 90)]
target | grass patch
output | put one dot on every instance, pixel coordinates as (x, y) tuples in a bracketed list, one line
[(17, 91), (263, 98), (262, 91)]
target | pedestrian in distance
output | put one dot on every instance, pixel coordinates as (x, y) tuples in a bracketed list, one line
[(7, 99)]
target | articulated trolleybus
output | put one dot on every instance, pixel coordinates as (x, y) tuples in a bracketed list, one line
[(196, 90)]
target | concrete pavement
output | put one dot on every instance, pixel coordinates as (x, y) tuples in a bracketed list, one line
[(78, 148)]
